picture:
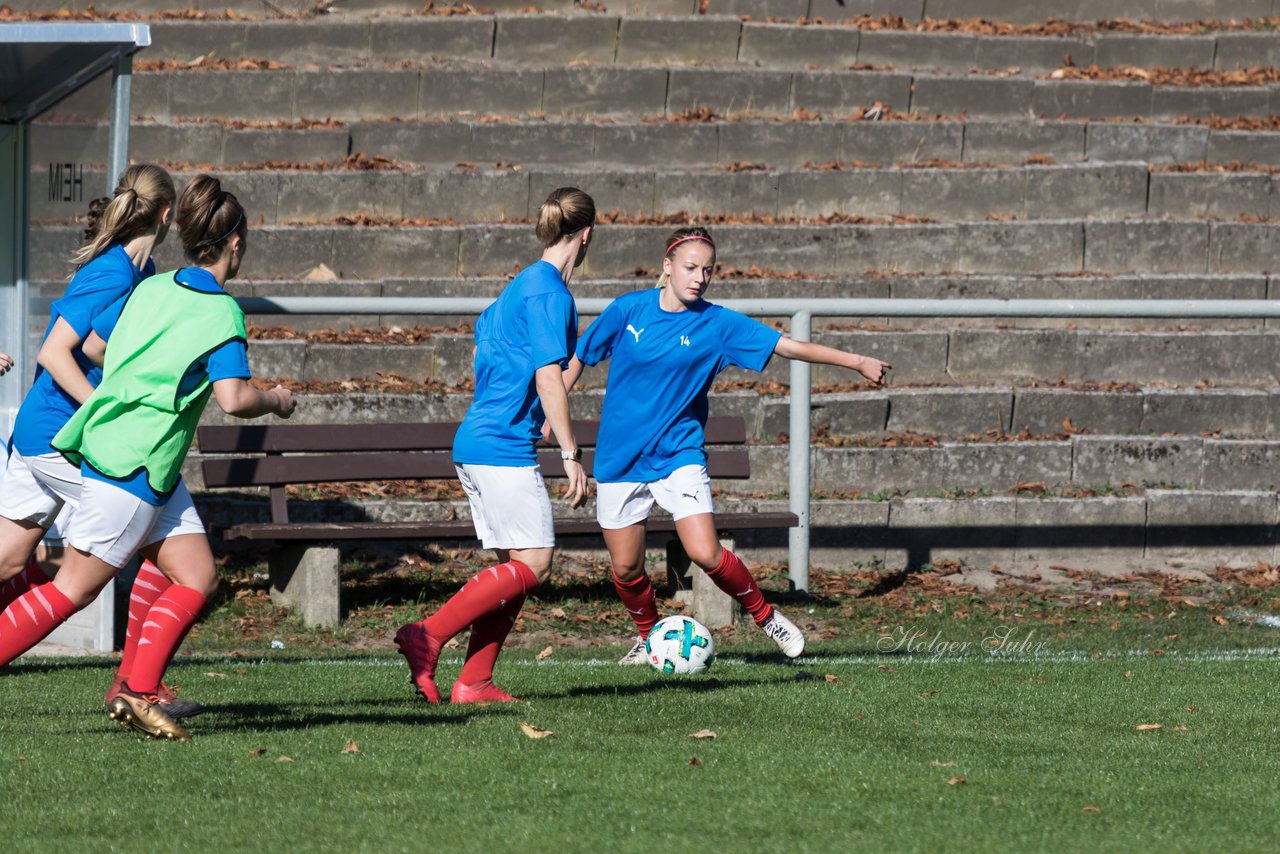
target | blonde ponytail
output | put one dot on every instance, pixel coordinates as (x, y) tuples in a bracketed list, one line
[(140, 197), (566, 211)]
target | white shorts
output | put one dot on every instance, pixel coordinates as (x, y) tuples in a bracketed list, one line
[(36, 489), (509, 506), (684, 492), (112, 524)]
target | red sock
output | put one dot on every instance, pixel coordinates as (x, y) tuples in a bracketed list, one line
[(29, 619), (31, 576), (488, 634), (733, 577), (167, 623), (150, 584), (640, 601), (487, 591)]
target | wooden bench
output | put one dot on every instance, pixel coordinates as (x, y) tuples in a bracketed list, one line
[(304, 565)]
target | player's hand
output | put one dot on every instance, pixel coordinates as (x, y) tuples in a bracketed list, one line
[(6, 362), (285, 404), (874, 370), (576, 492)]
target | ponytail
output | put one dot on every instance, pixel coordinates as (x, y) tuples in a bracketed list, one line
[(566, 211), (134, 209), (207, 218)]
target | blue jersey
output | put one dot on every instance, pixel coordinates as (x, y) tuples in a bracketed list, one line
[(95, 286), (534, 323), (662, 364), (230, 361)]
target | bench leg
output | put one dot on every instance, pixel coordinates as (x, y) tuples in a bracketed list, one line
[(711, 606), (306, 578)]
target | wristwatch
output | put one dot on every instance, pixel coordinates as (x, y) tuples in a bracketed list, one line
[(575, 455)]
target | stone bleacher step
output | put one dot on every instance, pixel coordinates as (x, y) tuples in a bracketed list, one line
[(1052, 468), (912, 11), (943, 193), (1157, 529), (943, 412), (620, 92), (966, 356), (1020, 247), (586, 144), (698, 39)]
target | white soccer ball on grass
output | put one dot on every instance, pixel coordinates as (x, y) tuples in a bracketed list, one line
[(680, 645)]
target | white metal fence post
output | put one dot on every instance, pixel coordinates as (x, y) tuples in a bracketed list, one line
[(798, 458)]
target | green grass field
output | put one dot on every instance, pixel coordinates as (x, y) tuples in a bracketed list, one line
[(863, 745)]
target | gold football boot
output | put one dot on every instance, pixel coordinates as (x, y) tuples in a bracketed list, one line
[(145, 715)]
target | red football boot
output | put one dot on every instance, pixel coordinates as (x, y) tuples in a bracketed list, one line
[(480, 692), (422, 653)]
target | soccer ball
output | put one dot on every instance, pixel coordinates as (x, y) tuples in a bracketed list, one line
[(680, 645)]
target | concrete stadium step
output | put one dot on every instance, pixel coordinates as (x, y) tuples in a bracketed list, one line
[(734, 286), (1100, 463), (973, 356), (1044, 536), (700, 39), (569, 143), (470, 194), (912, 11), (621, 91), (944, 413), (1032, 247)]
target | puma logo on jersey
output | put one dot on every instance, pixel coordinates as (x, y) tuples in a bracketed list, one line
[(635, 332), (687, 495), (745, 592), (684, 340)]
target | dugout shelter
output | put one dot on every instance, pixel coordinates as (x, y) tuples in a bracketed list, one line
[(64, 125)]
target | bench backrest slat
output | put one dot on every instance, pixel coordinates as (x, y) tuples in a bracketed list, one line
[(399, 436), (276, 470)]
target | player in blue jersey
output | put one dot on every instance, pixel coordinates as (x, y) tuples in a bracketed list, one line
[(175, 340), (121, 233), (666, 345), (523, 343)]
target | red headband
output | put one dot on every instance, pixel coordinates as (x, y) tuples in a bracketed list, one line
[(691, 237)]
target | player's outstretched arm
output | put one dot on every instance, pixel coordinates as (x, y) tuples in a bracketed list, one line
[(6, 362), (550, 383), (56, 356), (806, 351), (238, 398)]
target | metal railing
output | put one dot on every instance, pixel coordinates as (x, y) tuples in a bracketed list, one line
[(801, 313)]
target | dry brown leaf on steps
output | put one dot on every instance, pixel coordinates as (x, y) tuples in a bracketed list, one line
[(320, 273), (703, 733), (350, 747), (534, 732), (546, 653), (1148, 727)]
